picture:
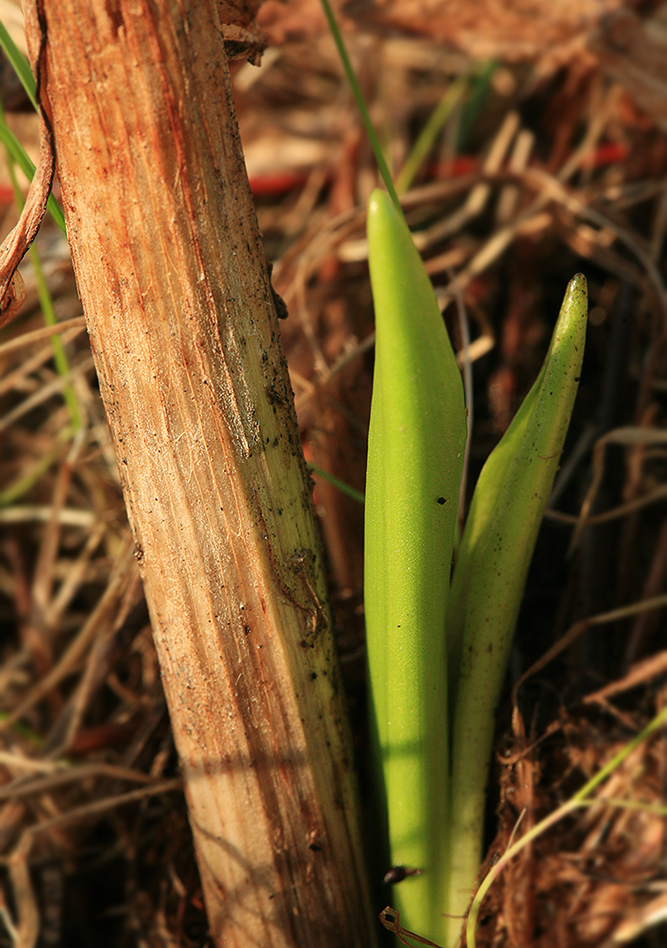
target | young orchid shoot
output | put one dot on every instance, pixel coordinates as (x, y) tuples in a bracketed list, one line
[(490, 575), (437, 658), (415, 456)]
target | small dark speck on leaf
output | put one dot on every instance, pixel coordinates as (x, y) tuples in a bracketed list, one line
[(441, 500), (399, 873)]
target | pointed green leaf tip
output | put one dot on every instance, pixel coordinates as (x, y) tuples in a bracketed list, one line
[(415, 455), (490, 576)]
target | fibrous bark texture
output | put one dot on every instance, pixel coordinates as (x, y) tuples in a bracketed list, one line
[(174, 286)]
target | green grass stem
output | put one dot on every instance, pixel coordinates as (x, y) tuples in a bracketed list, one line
[(336, 482), (27, 481), (60, 359), (580, 799), (18, 154), (359, 99), (59, 356), (19, 63), (22, 69), (479, 90), (429, 133)]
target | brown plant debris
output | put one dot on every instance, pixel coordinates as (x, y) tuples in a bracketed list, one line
[(552, 164)]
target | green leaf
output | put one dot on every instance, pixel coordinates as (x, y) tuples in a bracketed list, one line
[(25, 163), (415, 456), (490, 575), (19, 63)]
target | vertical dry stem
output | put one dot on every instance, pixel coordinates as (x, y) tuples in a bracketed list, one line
[(173, 282)]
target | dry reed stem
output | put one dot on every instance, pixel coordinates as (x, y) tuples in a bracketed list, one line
[(175, 290)]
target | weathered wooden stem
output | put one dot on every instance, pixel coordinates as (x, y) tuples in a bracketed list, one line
[(173, 282)]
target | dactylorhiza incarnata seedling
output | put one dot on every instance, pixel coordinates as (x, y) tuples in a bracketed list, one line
[(437, 653)]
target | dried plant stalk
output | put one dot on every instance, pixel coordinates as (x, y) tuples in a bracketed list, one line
[(175, 290)]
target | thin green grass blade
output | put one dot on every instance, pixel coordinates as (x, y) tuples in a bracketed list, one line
[(359, 99), (578, 800), (25, 163), (19, 63), (19, 488), (415, 455), (476, 101), (336, 482), (429, 134), (22, 69), (59, 355)]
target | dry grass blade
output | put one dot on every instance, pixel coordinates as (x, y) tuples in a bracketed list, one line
[(562, 170)]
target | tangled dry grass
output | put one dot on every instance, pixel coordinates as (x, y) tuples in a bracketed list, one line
[(559, 166)]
